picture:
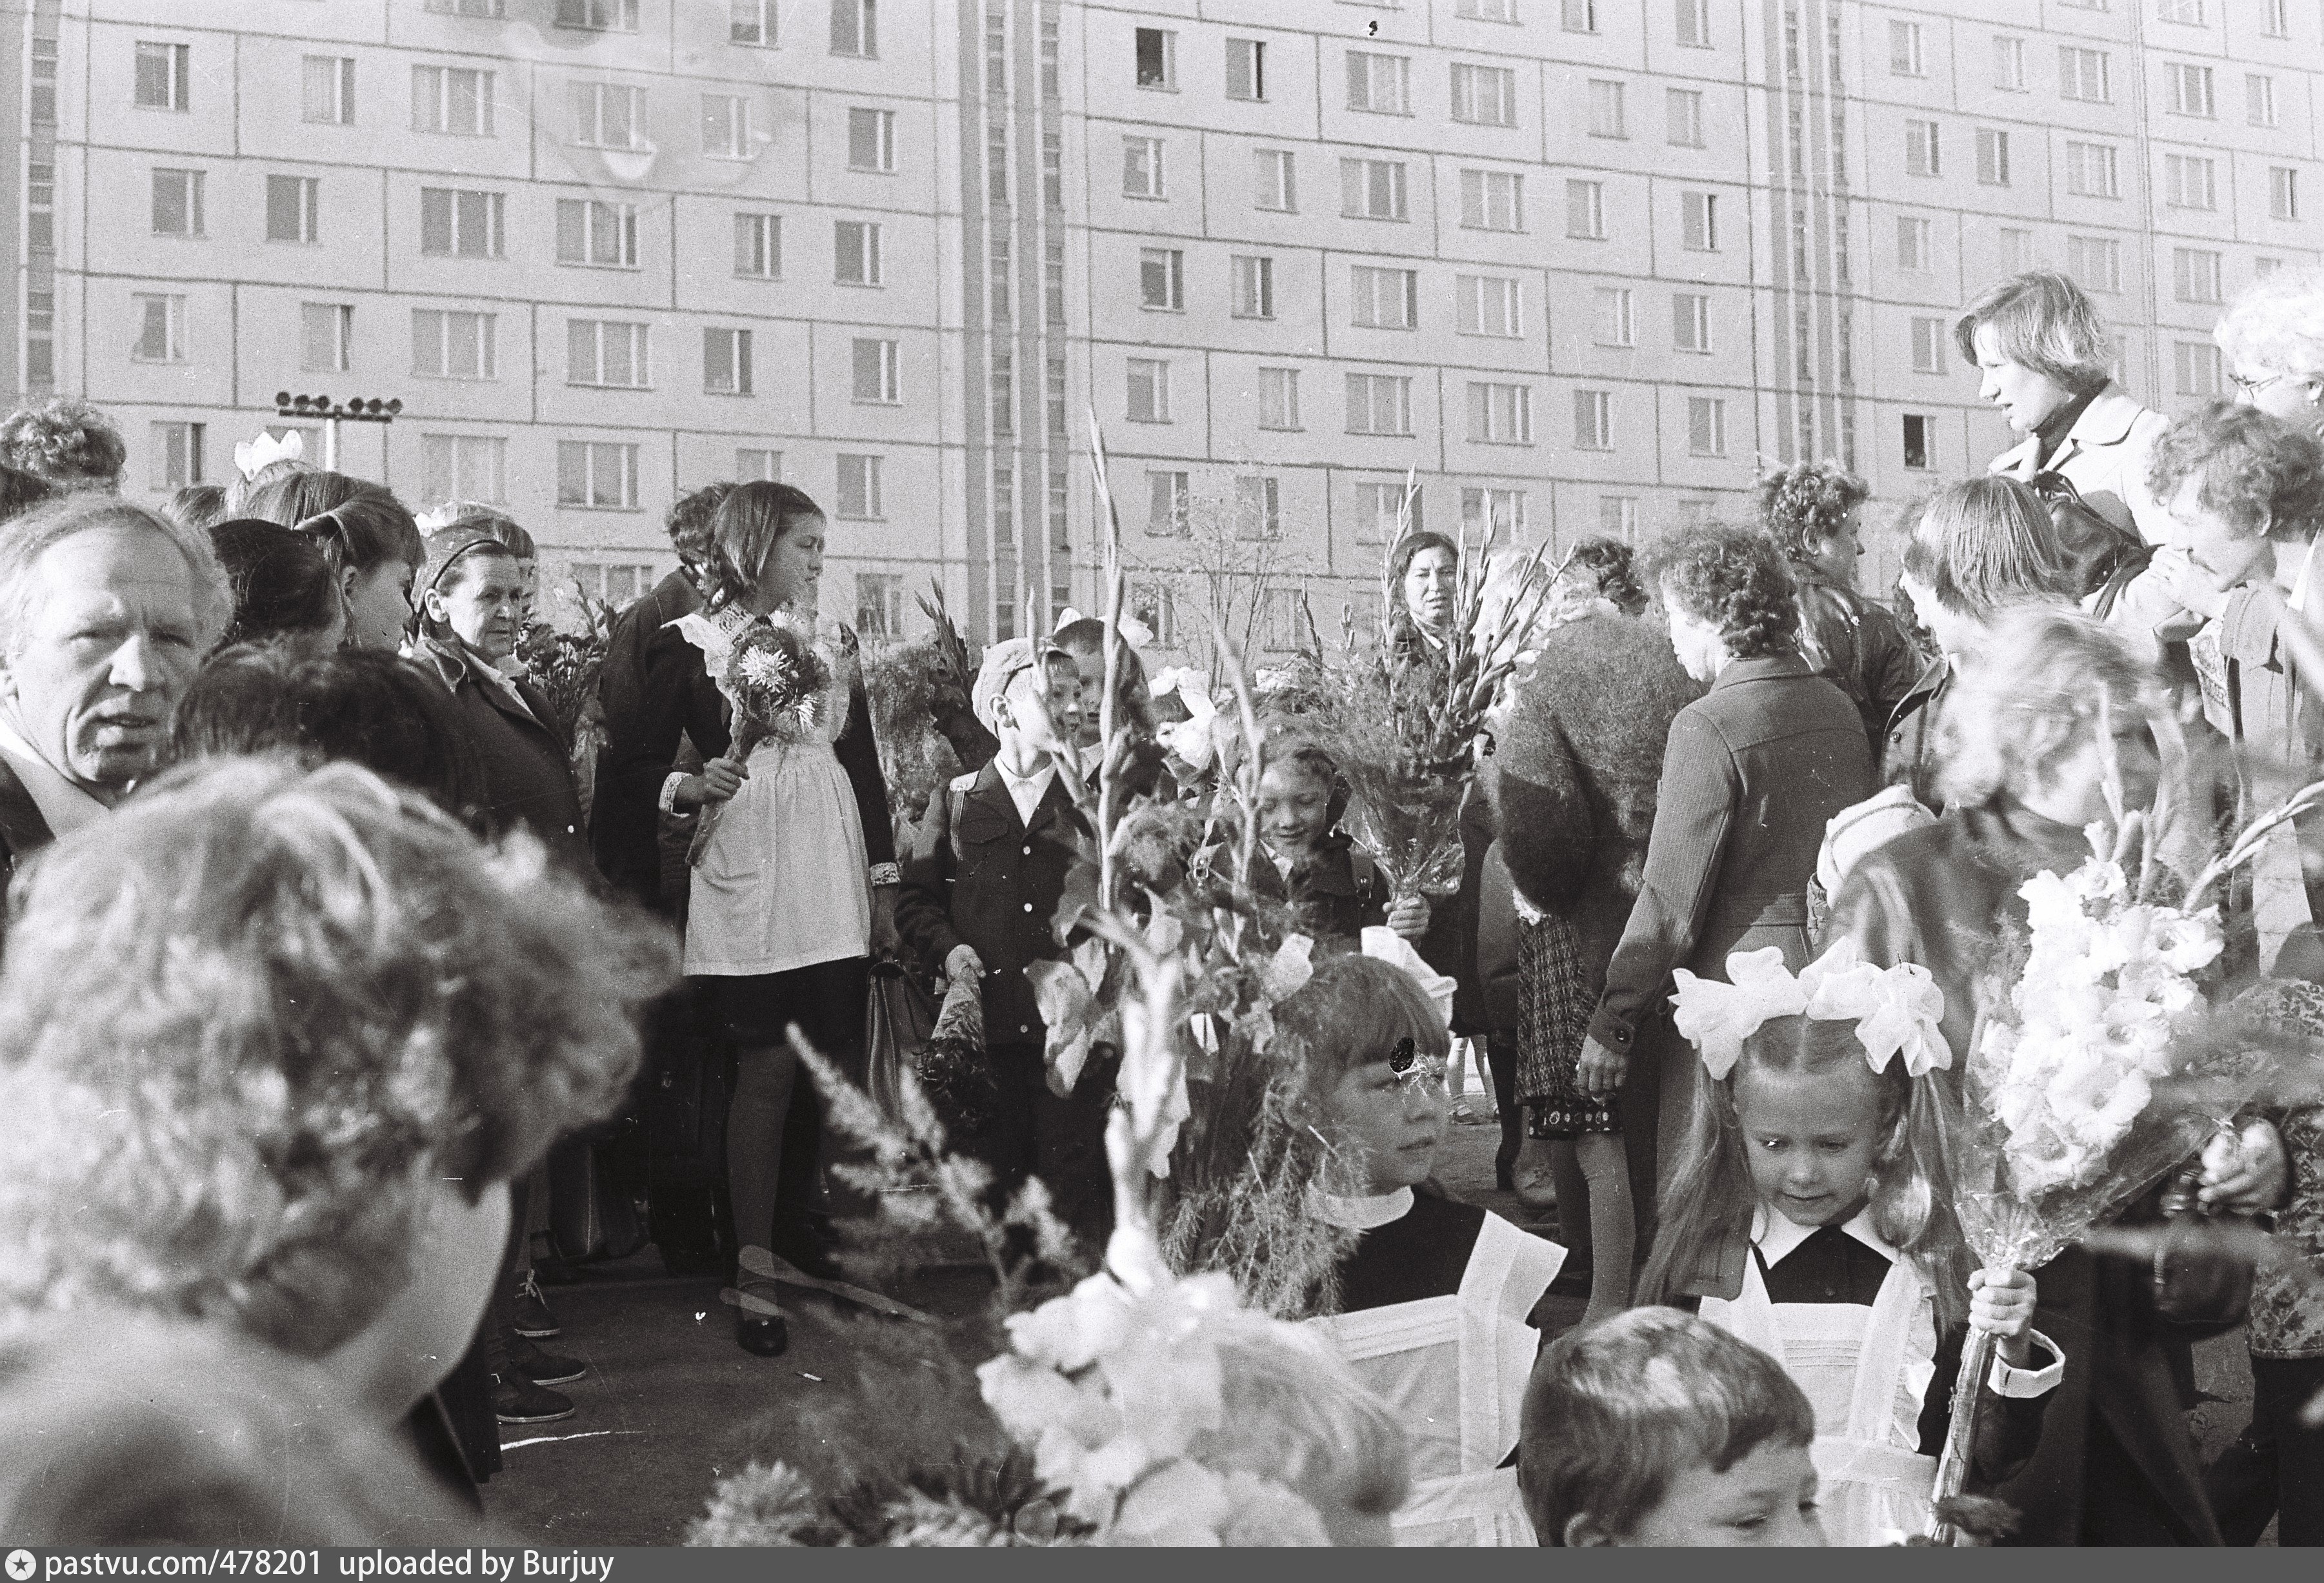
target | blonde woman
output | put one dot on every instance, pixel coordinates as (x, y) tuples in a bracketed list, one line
[(2272, 336)]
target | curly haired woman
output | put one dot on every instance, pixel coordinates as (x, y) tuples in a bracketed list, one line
[(66, 443), (1813, 511), (1752, 772)]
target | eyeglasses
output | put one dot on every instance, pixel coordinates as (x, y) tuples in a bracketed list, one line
[(2254, 386)]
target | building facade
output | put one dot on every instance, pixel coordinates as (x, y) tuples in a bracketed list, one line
[(1540, 269)]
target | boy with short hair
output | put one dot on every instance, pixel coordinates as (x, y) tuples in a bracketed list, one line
[(1656, 1427)]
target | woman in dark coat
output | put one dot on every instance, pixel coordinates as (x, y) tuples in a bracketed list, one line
[(1813, 510), (1752, 771)]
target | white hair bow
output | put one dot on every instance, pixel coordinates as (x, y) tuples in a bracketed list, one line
[(1897, 1011), (1134, 631), (1189, 738), (254, 457)]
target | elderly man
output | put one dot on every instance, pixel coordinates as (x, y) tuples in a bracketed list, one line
[(105, 612)]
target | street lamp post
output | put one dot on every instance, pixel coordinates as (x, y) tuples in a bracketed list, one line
[(356, 410)]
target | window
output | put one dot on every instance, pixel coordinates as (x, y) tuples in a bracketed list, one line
[(2259, 99), (164, 77), (2189, 181), (1699, 221), (2095, 263), (1606, 108), (293, 209), (1157, 58), (1684, 115), (1166, 500), (1371, 190), (160, 328), (2017, 250), (2275, 18), (756, 462), (1690, 322), (1278, 398), (2264, 267), (41, 207), (1384, 298), (1593, 420), (1992, 158), (1706, 426), (2092, 170), (178, 203), (1912, 234), (609, 114), (2008, 63), (2083, 74), (2198, 366), (1379, 404), (1273, 183), (1928, 345), (1162, 278), (726, 361), (2190, 91), (726, 128), (2282, 193), (451, 100), (177, 455), (1694, 24), (597, 475), (1905, 58), (855, 253), (759, 246), (1921, 149), (1486, 10), (1489, 305), (1254, 286), (1259, 508), (871, 140), (1379, 84), (1484, 95), (753, 22), (1617, 323), (878, 605), (457, 223), (449, 344), (1492, 200), (855, 28), (1487, 516), (1141, 167), (328, 90), (464, 467), (1247, 69), (43, 109), (490, 8), (326, 336), (2195, 275), (1617, 517), (599, 15), (1920, 441), (608, 353), (1384, 510), (590, 231), (1149, 390), (1585, 210), (2189, 11), (1579, 16)]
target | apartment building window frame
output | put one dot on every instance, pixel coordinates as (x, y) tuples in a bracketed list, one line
[(1578, 16), (728, 366), (1383, 297), (1614, 318), (1585, 210), (41, 207), (1379, 83), (2009, 64), (1379, 404), (2186, 13), (327, 89), (161, 326), (2085, 75), (880, 606), (596, 475), (598, 123), (492, 10), (1706, 426), (436, 338), (1148, 383), (2095, 263), (2016, 249), (177, 445), (1373, 189), (2282, 192), (2194, 89), (2093, 170), (758, 245), (1169, 500), (1617, 517), (1609, 114), (1593, 420), (1919, 431), (856, 28), (598, 16), (1923, 148), (726, 130), (455, 214), (1500, 412), (1929, 336), (871, 139), (1396, 508), (164, 78), (1278, 400), (1162, 279), (1915, 242), (754, 24), (1258, 507), (294, 210), (453, 101), (596, 233), (1491, 306), (2275, 19), (2259, 99), (1473, 105), (859, 242), (1698, 221), (1690, 323), (598, 349), (1486, 10), (1490, 515), (326, 336), (2190, 181), (1155, 52), (2197, 370), (2197, 275), (464, 467), (1252, 278), (1246, 71), (1907, 54), (1143, 171), (1682, 117), (177, 208), (1275, 175), (1492, 200), (1992, 157), (758, 462)]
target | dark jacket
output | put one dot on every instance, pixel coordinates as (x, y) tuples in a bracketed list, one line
[(1910, 741), (1335, 892), (526, 762), (22, 829), (1857, 644), (654, 688), (1500, 980), (978, 875)]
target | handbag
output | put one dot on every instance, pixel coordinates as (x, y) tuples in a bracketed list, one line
[(899, 1015), (2104, 557)]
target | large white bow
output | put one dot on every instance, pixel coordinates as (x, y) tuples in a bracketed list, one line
[(1897, 1011), (1134, 631), (254, 457)]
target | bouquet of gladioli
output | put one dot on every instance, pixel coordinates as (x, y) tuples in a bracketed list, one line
[(776, 681)]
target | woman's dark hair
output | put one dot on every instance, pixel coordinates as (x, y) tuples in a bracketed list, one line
[(65, 441), (1734, 580), (743, 534), (688, 526), (1804, 505), (359, 525), (19, 491), (197, 505), (374, 709), (281, 580), (1408, 548), (2259, 473), (1613, 567)]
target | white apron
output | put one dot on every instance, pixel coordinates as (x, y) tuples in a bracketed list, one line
[(1455, 1369), (1866, 1372)]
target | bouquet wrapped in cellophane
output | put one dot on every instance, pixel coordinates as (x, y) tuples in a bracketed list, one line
[(774, 680)]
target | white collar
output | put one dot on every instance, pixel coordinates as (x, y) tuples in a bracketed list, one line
[(1364, 1214), (1040, 777), (64, 806), (1777, 1238)]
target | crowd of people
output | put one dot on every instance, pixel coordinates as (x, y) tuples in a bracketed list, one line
[(322, 937)]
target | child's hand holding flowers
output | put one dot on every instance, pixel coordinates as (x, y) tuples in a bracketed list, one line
[(2001, 1303)]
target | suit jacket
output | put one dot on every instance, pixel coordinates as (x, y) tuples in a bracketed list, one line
[(654, 689), (979, 876), (23, 829), (527, 764), (1754, 770)]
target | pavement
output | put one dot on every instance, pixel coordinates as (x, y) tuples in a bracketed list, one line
[(671, 1404)]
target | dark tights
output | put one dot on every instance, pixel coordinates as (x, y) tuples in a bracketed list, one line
[(774, 1126)]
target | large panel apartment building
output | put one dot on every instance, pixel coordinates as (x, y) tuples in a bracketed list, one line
[(1573, 266)]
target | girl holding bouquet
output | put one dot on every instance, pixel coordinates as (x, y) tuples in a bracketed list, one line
[(1810, 1218)]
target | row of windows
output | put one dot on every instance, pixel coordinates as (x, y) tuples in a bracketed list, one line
[(854, 24), (2095, 261), (2093, 170)]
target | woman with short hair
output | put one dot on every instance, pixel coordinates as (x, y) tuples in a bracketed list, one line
[(1815, 512), (2272, 337), (368, 536)]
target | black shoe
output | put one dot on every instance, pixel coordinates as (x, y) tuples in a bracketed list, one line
[(543, 1368), (766, 1338), (806, 1241), (517, 1399), (530, 1316)]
